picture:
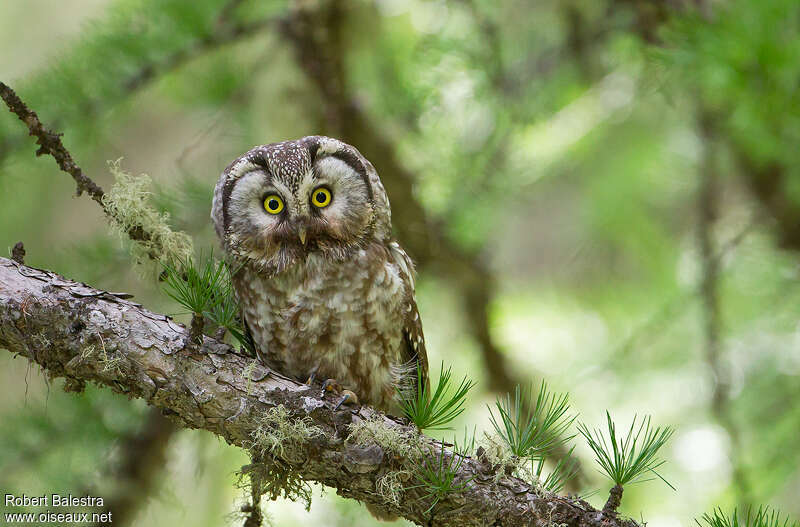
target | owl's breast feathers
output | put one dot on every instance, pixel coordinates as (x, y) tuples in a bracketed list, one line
[(355, 321)]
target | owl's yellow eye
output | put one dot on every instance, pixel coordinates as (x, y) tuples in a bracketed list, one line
[(273, 204), (321, 197)]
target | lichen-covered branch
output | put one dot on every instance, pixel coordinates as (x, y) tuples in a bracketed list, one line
[(124, 205), (86, 335)]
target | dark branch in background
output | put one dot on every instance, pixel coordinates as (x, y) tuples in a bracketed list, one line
[(650, 15), (708, 212), (315, 37), (143, 455), (767, 183), (59, 324), (225, 32)]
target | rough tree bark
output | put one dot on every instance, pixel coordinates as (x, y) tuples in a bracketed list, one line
[(86, 335)]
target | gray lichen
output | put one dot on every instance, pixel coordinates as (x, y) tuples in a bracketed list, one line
[(127, 204), (392, 439), (273, 479), (279, 434), (391, 485)]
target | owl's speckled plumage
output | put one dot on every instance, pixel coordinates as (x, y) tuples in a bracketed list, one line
[(322, 290)]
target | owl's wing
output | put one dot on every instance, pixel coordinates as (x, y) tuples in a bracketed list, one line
[(414, 353), (415, 346)]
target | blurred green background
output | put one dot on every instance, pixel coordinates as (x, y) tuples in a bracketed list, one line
[(602, 194)]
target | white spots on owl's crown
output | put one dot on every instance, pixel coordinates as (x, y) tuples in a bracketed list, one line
[(289, 162), (329, 146)]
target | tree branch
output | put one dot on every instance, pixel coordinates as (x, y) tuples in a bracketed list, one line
[(708, 212), (74, 331), (226, 32), (314, 33), (50, 143)]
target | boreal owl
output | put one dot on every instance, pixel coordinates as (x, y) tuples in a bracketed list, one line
[(325, 290)]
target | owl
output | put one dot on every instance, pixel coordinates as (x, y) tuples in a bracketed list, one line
[(325, 290)]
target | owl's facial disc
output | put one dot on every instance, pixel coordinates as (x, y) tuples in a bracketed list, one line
[(282, 218)]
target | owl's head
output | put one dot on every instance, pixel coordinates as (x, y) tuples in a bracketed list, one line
[(281, 202)]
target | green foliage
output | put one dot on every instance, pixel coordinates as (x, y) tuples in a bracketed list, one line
[(437, 475), (197, 288), (630, 459), (763, 517), (26, 439), (204, 288), (532, 428), (434, 410), (744, 62), (564, 470)]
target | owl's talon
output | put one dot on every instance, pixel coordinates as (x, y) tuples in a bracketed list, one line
[(348, 398), (330, 385)]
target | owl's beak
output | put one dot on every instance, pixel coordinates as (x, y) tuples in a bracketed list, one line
[(301, 233)]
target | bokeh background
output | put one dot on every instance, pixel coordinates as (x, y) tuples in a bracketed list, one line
[(602, 194)]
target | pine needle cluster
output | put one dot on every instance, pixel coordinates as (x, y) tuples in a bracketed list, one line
[(532, 430), (763, 517), (631, 459), (438, 473), (204, 288), (434, 410)]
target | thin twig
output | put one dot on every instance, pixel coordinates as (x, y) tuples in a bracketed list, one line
[(708, 195), (50, 143), (18, 253)]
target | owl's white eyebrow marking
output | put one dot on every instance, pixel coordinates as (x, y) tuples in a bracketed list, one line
[(353, 161), (233, 180)]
